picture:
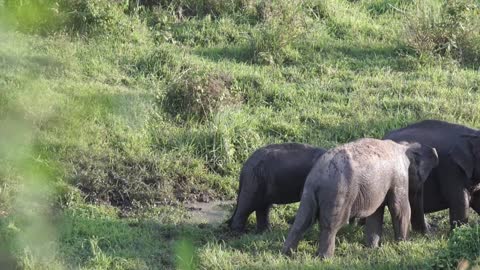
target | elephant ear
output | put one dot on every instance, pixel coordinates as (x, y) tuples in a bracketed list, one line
[(422, 160), (462, 153)]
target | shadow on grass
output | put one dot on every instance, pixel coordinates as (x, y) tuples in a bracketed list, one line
[(362, 57), (33, 65), (238, 54), (351, 57)]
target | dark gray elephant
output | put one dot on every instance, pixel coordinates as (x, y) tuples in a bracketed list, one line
[(454, 183), (276, 174), (357, 180)]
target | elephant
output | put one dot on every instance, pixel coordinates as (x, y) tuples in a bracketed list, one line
[(359, 179), (276, 174), (455, 183)]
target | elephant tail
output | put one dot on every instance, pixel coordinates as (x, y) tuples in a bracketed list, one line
[(308, 210), (244, 174)]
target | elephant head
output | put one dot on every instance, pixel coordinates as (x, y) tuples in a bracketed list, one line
[(466, 154), (422, 160)]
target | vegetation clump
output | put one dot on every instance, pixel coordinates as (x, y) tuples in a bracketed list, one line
[(463, 247), (449, 29), (193, 8), (199, 95), (282, 26)]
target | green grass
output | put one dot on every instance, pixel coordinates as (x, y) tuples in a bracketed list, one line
[(97, 159)]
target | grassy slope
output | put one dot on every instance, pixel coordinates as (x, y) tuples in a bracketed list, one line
[(90, 108)]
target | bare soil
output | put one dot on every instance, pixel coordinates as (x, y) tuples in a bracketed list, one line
[(213, 212)]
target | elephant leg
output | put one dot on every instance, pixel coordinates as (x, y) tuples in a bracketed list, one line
[(303, 220), (418, 221), (263, 222), (400, 211), (245, 206), (475, 202), (374, 227), (459, 210), (330, 223), (326, 247)]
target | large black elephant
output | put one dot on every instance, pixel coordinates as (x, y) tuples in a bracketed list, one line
[(455, 182), (276, 174)]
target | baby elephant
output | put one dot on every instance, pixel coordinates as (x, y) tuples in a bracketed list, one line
[(273, 174), (357, 180)]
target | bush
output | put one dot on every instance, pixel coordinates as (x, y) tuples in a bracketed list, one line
[(464, 244), (89, 15), (199, 95), (227, 142), (448, 30), (190, 8), (282, 25), (161, 63), (379, 7), (34, 16), (206, 32), (103, 18), (76, 16)]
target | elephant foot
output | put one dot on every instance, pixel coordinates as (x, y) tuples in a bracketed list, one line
[(428, 230), (422, 228), (263, 229), (237, 229), (324, 255), (287, 251)]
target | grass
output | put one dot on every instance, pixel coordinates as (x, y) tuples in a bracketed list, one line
[(96, 164)]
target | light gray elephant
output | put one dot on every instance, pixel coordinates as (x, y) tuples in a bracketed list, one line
[(359, 179)]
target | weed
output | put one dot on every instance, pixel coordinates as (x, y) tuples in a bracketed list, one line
[(450, 29), (190, 8), (462, 245), (35, 16), (282, 25), (198, 94), (161, 62)]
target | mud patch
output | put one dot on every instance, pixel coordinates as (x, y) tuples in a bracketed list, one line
[(214, 212)]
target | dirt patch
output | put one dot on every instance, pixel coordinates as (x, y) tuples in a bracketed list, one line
[(213, 212)]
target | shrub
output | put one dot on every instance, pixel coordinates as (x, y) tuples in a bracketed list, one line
[(282, 25), (205, 32), (89, 15), (76, 16), (379, 7), (160, 62), (227, 142), (199, 95), (34, 16), (190, 8), (448, 30), (464, 244), (102, 17)]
